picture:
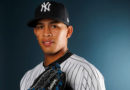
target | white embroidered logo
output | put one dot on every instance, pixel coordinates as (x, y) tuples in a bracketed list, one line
[(45, 6), (68, 20)]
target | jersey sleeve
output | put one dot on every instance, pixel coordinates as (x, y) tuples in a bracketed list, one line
[(92, 80), (23, 81)]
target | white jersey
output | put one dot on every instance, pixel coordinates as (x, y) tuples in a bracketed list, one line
[(80, 74)]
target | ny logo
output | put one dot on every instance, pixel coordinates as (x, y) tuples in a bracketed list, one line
[(45, 6)]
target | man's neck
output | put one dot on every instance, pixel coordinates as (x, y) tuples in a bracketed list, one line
[(50, 58)]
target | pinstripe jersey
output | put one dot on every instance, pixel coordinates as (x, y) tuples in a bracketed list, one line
[(80, 74)]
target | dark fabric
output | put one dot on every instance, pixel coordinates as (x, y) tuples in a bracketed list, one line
[(61, 59)]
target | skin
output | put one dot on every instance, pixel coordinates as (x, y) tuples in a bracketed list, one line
[(52, 37)]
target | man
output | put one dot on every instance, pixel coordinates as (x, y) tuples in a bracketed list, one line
[(52, 30)]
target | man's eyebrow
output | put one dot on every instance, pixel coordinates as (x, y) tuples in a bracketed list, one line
[(54, 22), (39, 23)]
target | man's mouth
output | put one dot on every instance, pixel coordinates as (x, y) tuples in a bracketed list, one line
[(47, 43)]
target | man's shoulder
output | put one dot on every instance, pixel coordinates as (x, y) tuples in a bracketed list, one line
[(85, 64), (36, 68), (33, 72), (80, 60)]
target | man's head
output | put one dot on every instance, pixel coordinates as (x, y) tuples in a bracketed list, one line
[(51, 27)]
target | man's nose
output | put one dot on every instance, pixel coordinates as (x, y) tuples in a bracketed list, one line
[(47, 32)]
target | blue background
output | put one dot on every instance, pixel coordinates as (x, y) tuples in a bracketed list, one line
[(101, 35)]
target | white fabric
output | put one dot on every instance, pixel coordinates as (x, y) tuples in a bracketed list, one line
[(81, 75)]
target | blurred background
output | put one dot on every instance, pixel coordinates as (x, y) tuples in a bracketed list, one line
[(101, 35)]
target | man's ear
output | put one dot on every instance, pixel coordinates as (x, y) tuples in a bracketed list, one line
[(70, 31)]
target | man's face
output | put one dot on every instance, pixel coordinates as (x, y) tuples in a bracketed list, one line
[(52, 35)]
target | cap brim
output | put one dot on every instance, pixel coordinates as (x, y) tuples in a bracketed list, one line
[(34, 21)]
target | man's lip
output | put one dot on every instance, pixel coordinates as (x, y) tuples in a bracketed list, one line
[(47, 43)]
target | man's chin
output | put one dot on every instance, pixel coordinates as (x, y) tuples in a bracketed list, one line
[(49, 52)]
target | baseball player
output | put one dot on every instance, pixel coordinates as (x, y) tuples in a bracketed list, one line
[(52, 30)]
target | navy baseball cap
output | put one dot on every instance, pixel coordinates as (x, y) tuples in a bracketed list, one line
[(50, 10)]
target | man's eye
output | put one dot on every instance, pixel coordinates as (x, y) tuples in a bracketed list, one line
[(39, 27), (53, 26)]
